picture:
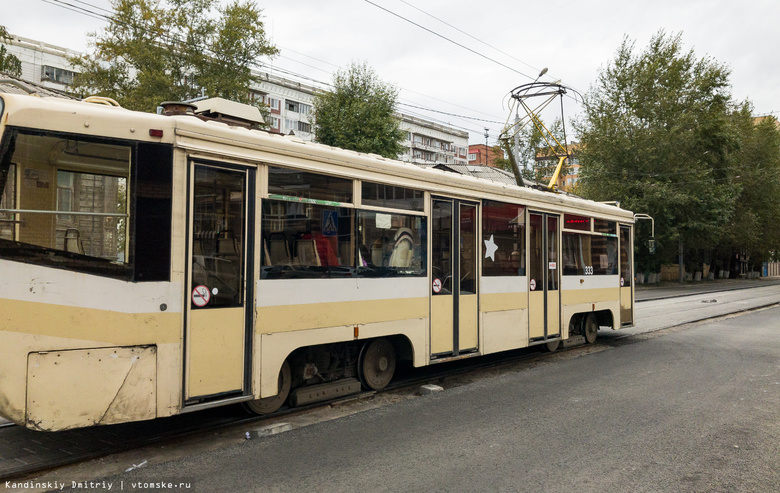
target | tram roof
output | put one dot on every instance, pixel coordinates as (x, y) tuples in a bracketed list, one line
[(238, 143)]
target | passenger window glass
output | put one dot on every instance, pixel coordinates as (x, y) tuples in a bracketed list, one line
[(604, 253), (68, 196), (604, 226), (625, 264), (468, 249), (441, 260), (503, 235), (313, 186), (307, 240), (585, 254), (391, 245), (576, 254), (380, 195), (7, 202), (218, 234)]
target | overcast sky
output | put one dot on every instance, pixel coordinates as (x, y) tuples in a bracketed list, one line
[(513, 41)]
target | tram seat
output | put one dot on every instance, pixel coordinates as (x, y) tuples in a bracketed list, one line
[(278, 252), (307, 253), (73, 241), (376, 252), (403, 249)]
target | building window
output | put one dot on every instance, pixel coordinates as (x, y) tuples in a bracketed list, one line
[(293, 106), (290, 124), (273, 103), (58, 75), (472, 156), (304, 127)]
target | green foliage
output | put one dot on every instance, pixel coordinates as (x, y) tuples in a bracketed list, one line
[(657, 136), (753, 229), (358, 114), (9, 63), (536, 160), (174, 50), (501, 162)]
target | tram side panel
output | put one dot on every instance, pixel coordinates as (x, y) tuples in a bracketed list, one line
[(293, 313), (83, 350)]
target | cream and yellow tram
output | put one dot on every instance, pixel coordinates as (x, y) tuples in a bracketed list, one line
[(153, 265)]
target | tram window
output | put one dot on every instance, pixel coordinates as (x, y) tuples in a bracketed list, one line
[(625, 264), (576, 254), (604, 226), (604, 253), (302, 240), (7, 201), (71, 203), (380, 195), (468, 249), (573, 221), (585, 254), (391, 245), (314, 186), (505, 225)]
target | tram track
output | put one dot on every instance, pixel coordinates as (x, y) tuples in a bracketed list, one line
[(127, 437)]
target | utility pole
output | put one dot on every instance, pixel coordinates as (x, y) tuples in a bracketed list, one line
[(486, 145)]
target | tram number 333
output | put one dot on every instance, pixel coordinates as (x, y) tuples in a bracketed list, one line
[(588, 270)]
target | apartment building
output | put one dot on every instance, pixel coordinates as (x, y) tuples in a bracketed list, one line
[(290, 104), (482, 155)]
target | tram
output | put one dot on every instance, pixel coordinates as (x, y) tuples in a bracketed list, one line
[(152, 265)]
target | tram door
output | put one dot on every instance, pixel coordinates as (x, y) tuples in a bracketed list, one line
[(544, 277), (454, 255), (219, 297), (626, 277)]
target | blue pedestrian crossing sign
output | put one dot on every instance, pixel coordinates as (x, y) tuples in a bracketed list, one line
[(330, 223)]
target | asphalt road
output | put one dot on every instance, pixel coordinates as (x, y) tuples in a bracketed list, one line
[(683, 409)]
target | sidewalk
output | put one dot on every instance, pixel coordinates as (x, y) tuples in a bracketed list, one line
[(670, 289)]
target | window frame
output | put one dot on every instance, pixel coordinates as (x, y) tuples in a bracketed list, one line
[(154, 266)]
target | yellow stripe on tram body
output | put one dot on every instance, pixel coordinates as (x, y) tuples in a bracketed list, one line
[(286, 318), (596, 295), (88, 324), (494, 302)]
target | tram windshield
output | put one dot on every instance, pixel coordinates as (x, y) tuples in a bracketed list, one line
[(64, 198)]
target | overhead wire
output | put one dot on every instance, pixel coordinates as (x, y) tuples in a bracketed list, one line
[(447, 39), (267, 67)]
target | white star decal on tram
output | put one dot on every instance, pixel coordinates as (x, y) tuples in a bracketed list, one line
[(490, 249)]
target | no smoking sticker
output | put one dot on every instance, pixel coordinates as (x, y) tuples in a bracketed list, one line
[(437, 285), (533, 284), (201, 296)]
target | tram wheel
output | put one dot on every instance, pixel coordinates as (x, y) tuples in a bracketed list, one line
[(552, 346), (267, 405), (376, 364), (590, 329)]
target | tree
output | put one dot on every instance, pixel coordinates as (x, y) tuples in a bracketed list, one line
[(174, 50), (536, 160), (358, 114), (9, 63), (753, 231), (657, 136)]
